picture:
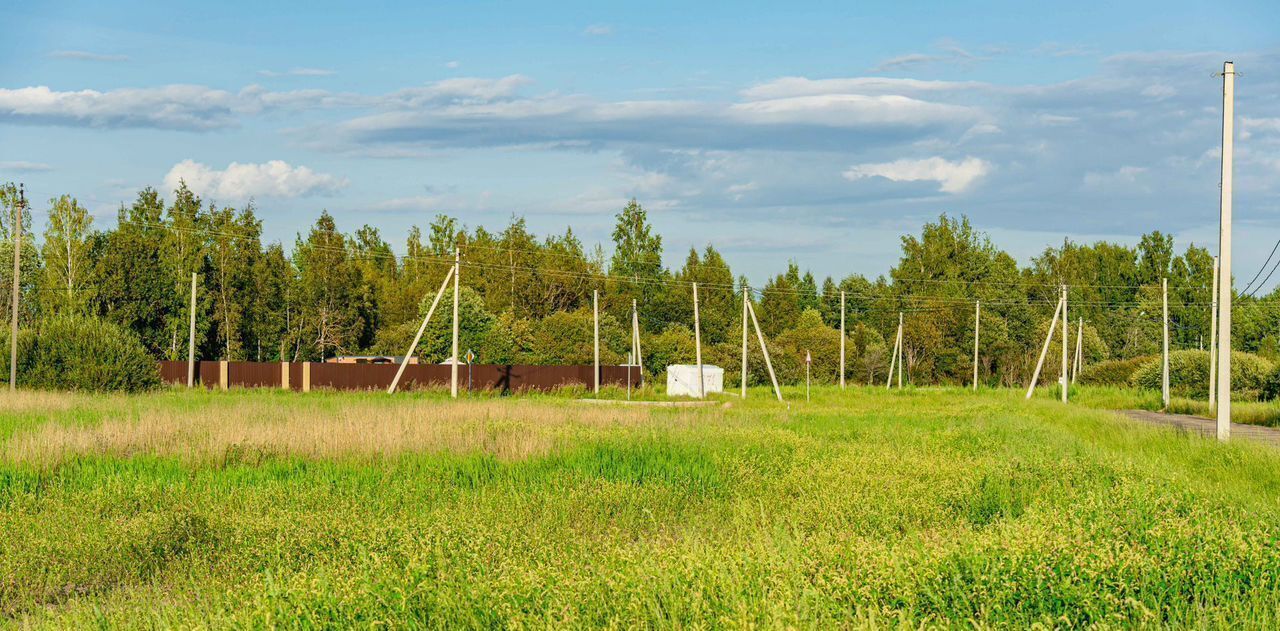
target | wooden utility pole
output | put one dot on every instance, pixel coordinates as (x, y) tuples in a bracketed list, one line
[(595, 325), (744, 341), (893, 357), (17, 284), (842, 340), (453, 373), (191, 338), (1213, 340), (1164, 358), (764, 350), (977, 323), (1065, 321), (1044, 350), (1224, 252), (421, 329), (697, 343)]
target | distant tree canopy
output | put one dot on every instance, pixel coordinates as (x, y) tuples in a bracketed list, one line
[(528, 298)]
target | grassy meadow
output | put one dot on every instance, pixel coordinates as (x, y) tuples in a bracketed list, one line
[(862, 508)]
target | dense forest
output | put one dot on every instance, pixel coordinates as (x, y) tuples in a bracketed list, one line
[(527, 298)]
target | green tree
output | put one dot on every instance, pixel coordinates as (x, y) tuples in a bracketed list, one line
[(327, 292), (68, 257)]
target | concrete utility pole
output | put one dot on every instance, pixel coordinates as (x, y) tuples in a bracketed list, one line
[(697, 343), (595, 325), (1213, 340), (1224, 251), (977, 320), (744, 341), (842, 340), (1064, 344), (1164, 361), (17, 284), (191, 339), (453, 372)]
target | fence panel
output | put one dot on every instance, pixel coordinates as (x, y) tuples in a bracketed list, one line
[(174, 372), (507, 378), (253, 374)]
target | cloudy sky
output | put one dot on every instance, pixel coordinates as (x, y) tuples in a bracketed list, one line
[(817, 134)]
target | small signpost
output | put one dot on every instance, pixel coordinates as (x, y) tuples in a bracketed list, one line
[(808, 361), (471, 357)]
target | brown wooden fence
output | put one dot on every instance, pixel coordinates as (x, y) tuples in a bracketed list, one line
[(302, 375)]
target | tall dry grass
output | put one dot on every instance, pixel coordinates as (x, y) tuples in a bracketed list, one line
[(252, 429)]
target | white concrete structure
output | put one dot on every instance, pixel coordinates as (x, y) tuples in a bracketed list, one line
[(682, 380)]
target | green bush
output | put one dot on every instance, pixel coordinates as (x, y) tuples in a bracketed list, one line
[(1112, 372), (1271, 386), (77, 353), (1189, 373)]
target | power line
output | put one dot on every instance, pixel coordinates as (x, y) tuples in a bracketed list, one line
[(1264, 266)]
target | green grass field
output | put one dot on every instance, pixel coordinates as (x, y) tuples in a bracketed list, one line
[(929, 507)]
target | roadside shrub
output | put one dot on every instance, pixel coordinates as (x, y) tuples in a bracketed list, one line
[(1112, 372), (1189, 374), (1271, 386), (78, 353)]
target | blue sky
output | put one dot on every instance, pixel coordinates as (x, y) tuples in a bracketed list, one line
[(817, 133)]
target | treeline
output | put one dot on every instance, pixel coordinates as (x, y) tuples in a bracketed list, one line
[(527, 298)]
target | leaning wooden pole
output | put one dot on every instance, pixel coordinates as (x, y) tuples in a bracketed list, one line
[(635, 339), (893, 357), (697, 343), (453, 379), (764, 349), (421, 329), (1045, 350), (191, 337), (1213, 340), (1078, 360), (901, 350)]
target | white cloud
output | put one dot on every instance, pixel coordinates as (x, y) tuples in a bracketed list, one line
[(22, 166), (297, 72), (948, 53), (850, 110), (416, 203), (1104, 180), (275, 178), (1159, 91), (171, 107), (953, 177), (84, 55), (804, 86), (1259, 126), (598, 30), (452, 64)]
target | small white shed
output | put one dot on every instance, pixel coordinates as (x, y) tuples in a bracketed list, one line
[(682, 379)]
